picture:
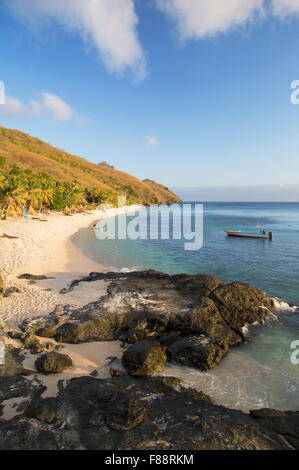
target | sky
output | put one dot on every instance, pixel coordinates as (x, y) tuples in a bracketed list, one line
[(194, 94)]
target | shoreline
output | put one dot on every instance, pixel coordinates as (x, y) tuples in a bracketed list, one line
[(46, 249)]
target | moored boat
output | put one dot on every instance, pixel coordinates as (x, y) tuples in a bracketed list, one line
[(261, 234)]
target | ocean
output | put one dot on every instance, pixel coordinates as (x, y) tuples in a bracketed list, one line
[(258, 373)]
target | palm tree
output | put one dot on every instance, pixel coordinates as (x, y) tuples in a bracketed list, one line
[(13, 193)]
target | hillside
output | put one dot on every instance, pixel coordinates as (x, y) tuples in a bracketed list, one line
[(31, 155)]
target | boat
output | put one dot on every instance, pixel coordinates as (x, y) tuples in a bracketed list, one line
[(260, 234)]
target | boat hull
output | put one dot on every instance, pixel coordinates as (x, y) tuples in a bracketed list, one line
[(248, 235)]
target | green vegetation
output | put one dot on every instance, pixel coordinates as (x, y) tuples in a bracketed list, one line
[(42, 177), (42, 192)]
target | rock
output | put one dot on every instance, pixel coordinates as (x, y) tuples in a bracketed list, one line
[(114, 372), (161, 308), (37, 348), (126, 413), (11, 290), (43, 410), (15, 334), (94, 373), (34, 277), (59, 347), (199, 352), (90, 330), (144, 358), (2, 287), (32, 342), (241, 304), (285, 423), (53, 363)]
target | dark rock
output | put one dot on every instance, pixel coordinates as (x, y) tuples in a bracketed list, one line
[(90, 330), (94, 373), (144, 358), (199, 352), (43, 410), (2, 287), (59, 347), (241, 304), (37, 348), (33, 277), (114, 372), (16, 334), (126, 413), (32, 342), (53, 363), (10, 291), (154, 306), (284, 423)]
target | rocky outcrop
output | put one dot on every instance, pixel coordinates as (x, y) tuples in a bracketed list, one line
[(53, 363), (139, 413), (194, 320), (144, 358), (207, 314), (199, 352)]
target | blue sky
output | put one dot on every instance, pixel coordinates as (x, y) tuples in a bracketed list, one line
[(194, 94)]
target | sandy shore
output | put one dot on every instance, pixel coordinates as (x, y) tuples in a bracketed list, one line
[(44, 248)]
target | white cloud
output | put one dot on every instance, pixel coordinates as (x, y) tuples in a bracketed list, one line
[(283, 8), (201, 18), (151, 141), (60, 109), (109, 25), (50, 106)]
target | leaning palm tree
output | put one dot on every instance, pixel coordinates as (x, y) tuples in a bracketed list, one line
[(13, 194)]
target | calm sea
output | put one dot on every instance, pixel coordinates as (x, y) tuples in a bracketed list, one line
[(259, 373)]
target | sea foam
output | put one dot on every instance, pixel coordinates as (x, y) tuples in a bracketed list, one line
[(282, 305)]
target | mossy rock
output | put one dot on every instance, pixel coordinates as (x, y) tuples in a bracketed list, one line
[(144, 358), (53, 363)]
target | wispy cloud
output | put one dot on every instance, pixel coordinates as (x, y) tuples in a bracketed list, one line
[(49, 106), (151, 141), (108, 25), (201, 18), (284, 8)]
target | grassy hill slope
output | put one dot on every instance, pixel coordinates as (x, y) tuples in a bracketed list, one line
[(28, 153)]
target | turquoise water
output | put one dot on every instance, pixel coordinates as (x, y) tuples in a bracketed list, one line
[(259, 373)]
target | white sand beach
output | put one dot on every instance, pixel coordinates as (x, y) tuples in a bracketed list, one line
[(44, 248)]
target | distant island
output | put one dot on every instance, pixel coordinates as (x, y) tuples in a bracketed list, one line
[(41, 177)]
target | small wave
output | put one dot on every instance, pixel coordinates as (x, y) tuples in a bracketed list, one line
[(282, 305)]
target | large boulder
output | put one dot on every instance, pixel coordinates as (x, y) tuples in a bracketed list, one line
[(199, 352), (93, 329), (53, 363), (241, 304), (144, 358)]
